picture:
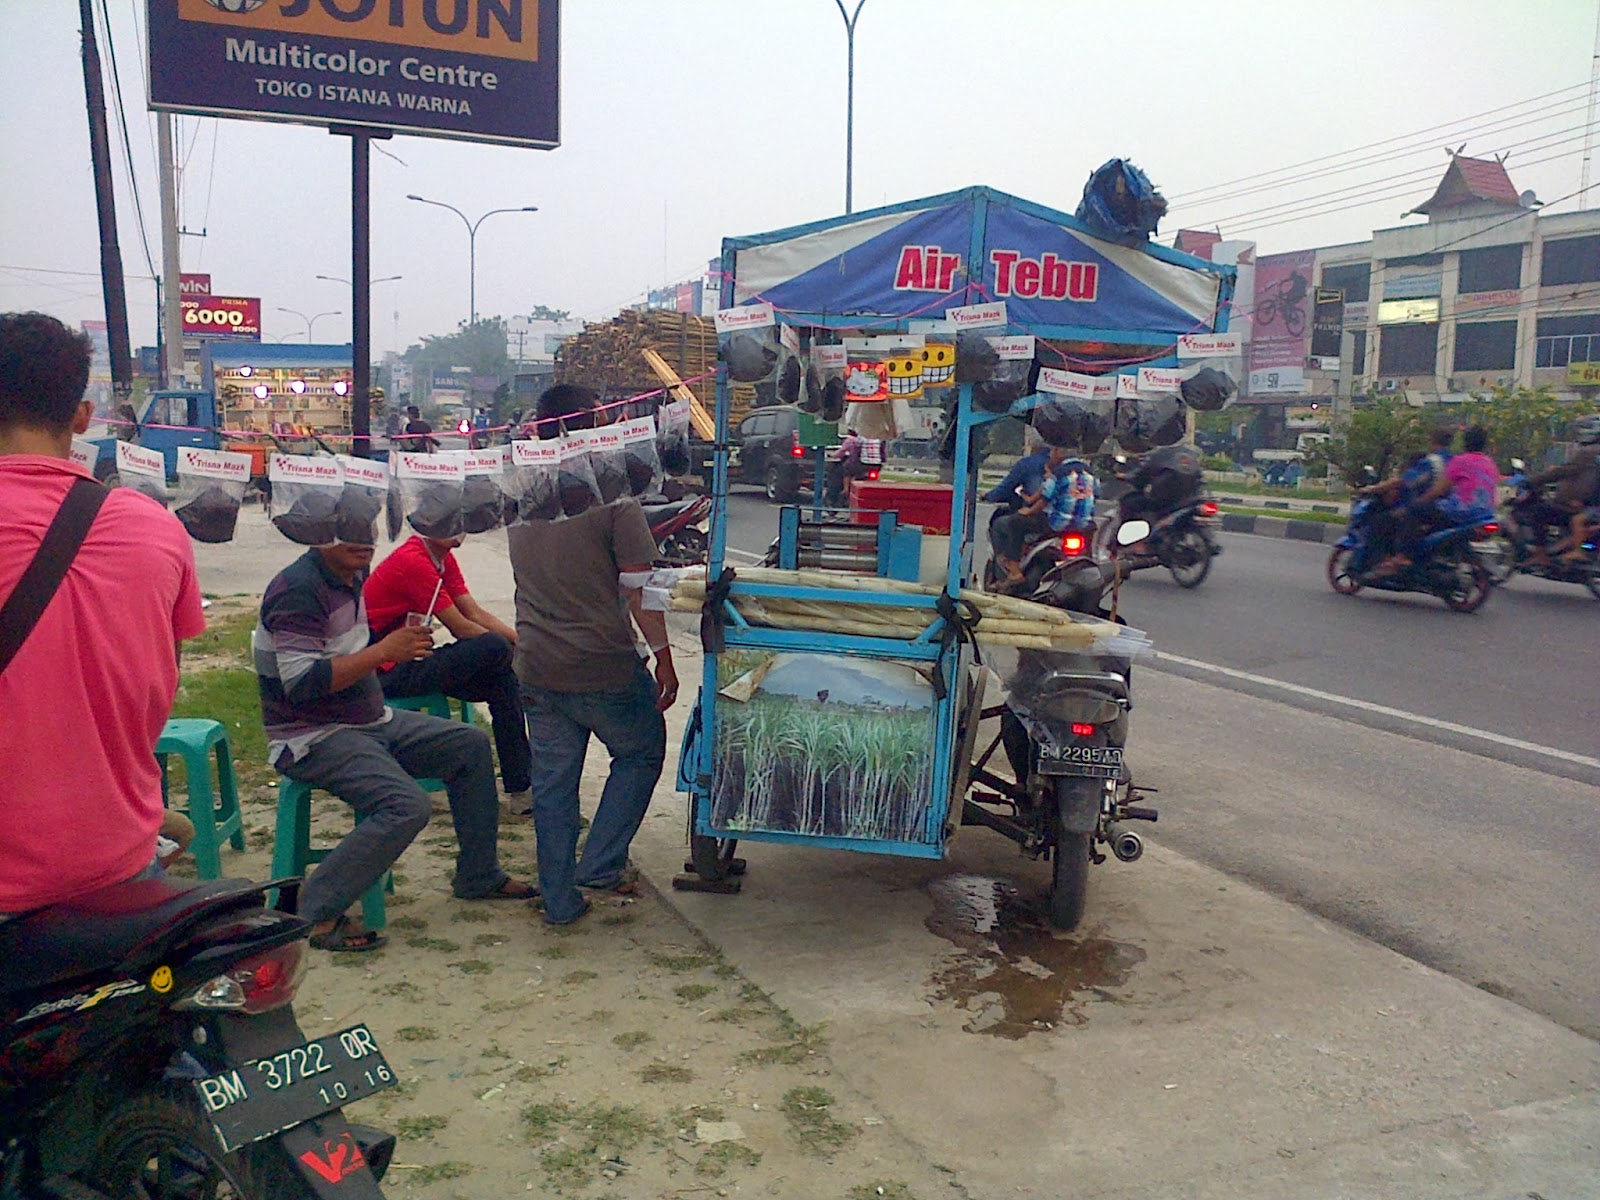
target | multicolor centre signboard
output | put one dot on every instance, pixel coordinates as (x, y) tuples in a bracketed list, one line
[(221, 317), (481, 70)]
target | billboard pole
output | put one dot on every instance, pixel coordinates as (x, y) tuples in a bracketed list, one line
[(171, 315), (360, 285), (106, 208)]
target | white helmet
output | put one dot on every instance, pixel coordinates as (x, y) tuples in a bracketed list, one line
[(1587, 430)]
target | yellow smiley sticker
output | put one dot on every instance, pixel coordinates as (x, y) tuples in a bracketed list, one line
[(161, 981)]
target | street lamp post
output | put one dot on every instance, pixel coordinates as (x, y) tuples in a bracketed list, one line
[(346, 282), (472, 243), (850, 97), (310, 321)]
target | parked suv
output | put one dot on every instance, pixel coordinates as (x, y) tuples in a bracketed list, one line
[(766, 452)]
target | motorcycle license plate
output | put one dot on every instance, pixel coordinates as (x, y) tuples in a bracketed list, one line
[(269, 1095), (1096, 762)]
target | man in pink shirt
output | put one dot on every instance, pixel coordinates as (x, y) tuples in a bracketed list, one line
[(85, 698), (1473, 476)]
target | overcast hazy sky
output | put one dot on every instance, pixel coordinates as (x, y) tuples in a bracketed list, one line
[(687, 120)]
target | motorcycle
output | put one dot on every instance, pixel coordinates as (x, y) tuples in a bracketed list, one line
[(1183, 541), (150, 1049), (1522, 531), (1064, 727), (1447, 566), (679, 527)]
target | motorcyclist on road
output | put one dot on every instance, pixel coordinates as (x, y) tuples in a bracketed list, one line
[(1069, 493), (1577, 489), (846, 465), (1010, 533), (1165, 480), (1024, 478), (1426, 487)]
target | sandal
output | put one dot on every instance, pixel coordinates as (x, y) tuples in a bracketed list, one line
[(625, 884), (345, 938), (511, 889)]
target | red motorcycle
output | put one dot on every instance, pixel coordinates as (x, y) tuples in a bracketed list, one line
[(679, 527)]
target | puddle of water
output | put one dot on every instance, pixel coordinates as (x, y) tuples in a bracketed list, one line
[(1016, 975)]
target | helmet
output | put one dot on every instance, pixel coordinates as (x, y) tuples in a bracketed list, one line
[(1587, 430)]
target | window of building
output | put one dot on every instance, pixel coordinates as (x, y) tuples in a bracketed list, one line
[(1486, 346), (1497, 269), (1571, 260), (1560, 340), (1353, 279), (1358, 352), (1408, 349)]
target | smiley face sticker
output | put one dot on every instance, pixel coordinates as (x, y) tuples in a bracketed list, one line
[(161, 981)]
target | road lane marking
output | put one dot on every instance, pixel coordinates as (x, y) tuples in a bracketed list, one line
[(730, 551), (1501, 739)]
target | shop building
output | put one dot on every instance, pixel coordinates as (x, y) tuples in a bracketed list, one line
[(280, 387)]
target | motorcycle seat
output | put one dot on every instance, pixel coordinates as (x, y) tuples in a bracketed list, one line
[(98, 930), (656, 513)]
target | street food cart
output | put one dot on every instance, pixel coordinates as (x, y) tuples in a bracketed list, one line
[(856, 733)]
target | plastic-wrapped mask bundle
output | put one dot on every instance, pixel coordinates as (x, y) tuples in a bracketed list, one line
[(535, 466), (211, 486), (608, 462), (789, 381), (976, 358), (1076, 411), (430, 492), (575, 484), (639, 459), (1149, 421), (672, 437), (749, 355), (305, 497), (366, 487), (1207, 390), (142, 470), (1011, 375), (483, 502)]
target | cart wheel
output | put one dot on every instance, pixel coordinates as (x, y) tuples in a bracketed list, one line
[(712, 857)]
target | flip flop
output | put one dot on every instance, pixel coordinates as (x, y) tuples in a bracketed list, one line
[(625, 884), (344, 939), (511, 889)]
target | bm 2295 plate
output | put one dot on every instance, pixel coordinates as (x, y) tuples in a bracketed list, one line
[(269, 1095), (1096, 762)]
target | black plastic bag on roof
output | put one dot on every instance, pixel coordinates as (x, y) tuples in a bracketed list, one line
[(1120, 203), (1207, 390)]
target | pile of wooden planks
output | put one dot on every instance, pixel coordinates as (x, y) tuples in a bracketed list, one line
[(606, 356)]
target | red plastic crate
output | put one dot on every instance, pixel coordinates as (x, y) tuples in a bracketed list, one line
[(923, 504)]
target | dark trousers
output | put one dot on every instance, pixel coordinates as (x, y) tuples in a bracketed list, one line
[(1417, 523), (478, 668), (1008, 535)]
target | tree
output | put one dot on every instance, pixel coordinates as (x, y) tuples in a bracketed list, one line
[(481, 346), (1381, 435), (541, 313), (1523, 422)]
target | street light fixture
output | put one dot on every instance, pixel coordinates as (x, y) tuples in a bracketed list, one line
[(310, 321), (346, 282), (472, 242), (850, 96)]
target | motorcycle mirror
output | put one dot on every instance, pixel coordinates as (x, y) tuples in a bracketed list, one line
[(1519, 464), (1133, 531)]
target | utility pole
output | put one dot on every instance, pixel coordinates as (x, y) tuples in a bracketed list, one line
[(106, 208), (172, 293)]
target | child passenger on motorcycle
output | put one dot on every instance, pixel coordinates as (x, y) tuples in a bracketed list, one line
[(1052, 501)]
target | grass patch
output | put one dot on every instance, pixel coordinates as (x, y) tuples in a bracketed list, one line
[(886, 1189), (573, 978), (751, 994), (813, 1126), (490, 939), (544, 1120), (567, 1166), (716, 1161), (631, 1040), (666, 1073), (736, 1015), (554, 952), (503, 1006), (801, 1043), (685, 1117), (232, 696), (415, 1033), (472, 914), (444, 945), (403, 988), (530, 1072), (613, 920), (408, 924), (616, 1127), (493, 1050), (419, 1127), (693, 991), (438, 1172), (679, 963), (473, 966)]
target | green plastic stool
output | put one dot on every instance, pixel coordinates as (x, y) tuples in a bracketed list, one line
[(292, 853), (214, 811), (435, 704)]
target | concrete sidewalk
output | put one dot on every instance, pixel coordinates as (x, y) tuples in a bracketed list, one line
[(1197, 1039)]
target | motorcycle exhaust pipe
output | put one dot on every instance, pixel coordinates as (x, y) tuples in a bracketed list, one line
[(1127, 845)]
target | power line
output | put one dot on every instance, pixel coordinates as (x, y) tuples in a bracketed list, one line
[(1373, 145)]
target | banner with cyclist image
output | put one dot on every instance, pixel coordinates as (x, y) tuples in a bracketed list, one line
[(1280, 320)]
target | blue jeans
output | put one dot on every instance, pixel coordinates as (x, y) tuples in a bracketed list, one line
[(559, 725)]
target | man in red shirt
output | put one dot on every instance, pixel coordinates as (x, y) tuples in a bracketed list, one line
[(421, 576), (101, 665)]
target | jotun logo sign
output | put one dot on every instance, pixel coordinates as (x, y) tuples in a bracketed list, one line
[(482, 70)]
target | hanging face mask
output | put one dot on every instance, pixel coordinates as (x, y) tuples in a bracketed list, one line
[(535, 467), (305, 497), (211, 487), (976, 358), (608, 461), (361, 500), (1208, 390), (672, 437), (640, 463), (483, 497), (144, 471), (575, 481), (1145, 422), (1010, 376), (430, 492), (747, 342), (1075, 411), (1209, 366), (825, 383)]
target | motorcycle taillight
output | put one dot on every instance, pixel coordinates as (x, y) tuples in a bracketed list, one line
[(872, 474), (1082, 729), (1208, 509), (259, 984), (1073, 543)]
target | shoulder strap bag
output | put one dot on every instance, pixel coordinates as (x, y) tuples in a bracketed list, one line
[(39, 582)]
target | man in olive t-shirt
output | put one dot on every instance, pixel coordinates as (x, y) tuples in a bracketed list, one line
[(581, 673)]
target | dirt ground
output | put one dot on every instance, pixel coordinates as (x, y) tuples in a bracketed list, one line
[(620, 1057)]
